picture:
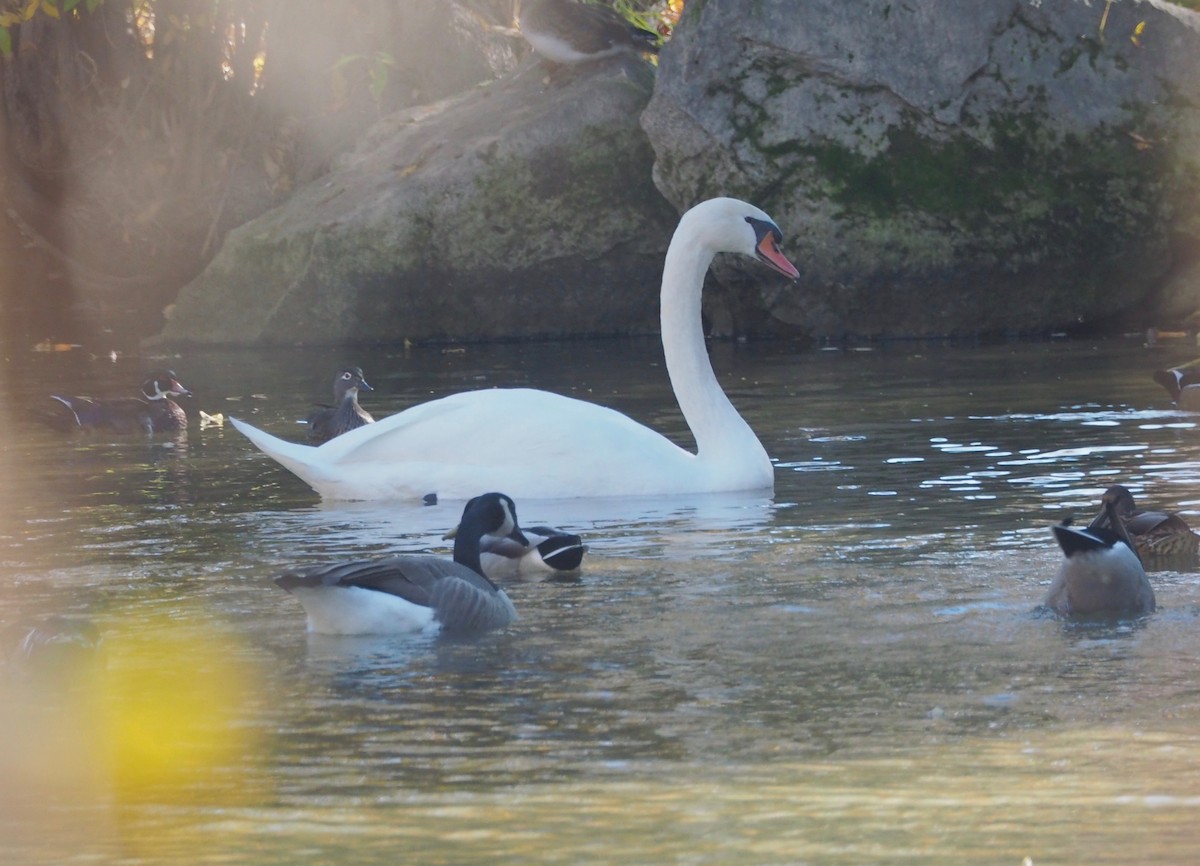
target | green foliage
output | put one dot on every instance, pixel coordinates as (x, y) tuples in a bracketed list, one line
[(379, 66), (26, 9)]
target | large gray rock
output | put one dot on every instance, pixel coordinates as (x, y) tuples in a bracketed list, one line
[(944, 165), (520, 208)]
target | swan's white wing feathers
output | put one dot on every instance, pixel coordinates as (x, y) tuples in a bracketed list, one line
[(496, 439)]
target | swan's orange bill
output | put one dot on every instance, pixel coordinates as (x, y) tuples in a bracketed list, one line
[(768, 251)]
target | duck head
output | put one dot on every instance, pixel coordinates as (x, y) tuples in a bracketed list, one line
[(163, 384)]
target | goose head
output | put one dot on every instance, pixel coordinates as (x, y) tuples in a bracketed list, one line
[(487, 514), (163, 384)]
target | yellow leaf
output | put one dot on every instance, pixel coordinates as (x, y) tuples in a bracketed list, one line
[(30, 8), (49, 8)]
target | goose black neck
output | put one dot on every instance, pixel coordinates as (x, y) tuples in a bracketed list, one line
[(466, 545)]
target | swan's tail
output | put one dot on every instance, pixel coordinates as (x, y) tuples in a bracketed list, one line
[(304, 460)]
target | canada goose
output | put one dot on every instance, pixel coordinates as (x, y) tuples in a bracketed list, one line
[(412, 592)]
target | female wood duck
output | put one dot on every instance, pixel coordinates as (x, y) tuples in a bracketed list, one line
[(565, 31), (1101, 574), (1154, 533), (345, 414), (413, 592), (153, 412), (533, 552)]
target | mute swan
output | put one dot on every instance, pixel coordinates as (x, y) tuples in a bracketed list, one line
[(540, 445), (345, 414), (153, 412), (564, 31), (1154, 533), (1101, 574), (413, 592)]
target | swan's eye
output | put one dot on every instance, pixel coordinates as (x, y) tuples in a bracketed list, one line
[(767, 237), (347, 376)]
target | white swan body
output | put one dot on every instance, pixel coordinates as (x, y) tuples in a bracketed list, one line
[(539, 445)]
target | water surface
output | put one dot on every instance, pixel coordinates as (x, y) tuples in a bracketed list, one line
[(849, 672)]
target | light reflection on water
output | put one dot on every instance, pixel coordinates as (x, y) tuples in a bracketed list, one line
[(849, 672)]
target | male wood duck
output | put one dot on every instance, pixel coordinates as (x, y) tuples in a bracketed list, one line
[(1101, 574), (1155, 534), (153, 412), (535, 551), (1183, 384), (565, 31), (56, 644), (345, 414)]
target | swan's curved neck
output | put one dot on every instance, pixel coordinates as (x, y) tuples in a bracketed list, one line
[(720, 432)]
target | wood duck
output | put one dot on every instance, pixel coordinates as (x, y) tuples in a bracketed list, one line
[(345, 414), (1154, 533), (413, 592), (153, 412), (53, 644), (533, 552), (565, 31), (1101, 574)]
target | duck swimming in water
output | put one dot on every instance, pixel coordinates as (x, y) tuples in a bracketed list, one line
[(153, 412), (1154, 533), (345, 414), (536, 444), (1183, 384), (536, 551), (1101, 574)]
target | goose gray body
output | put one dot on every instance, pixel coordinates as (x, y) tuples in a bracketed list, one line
[(408, 592)]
